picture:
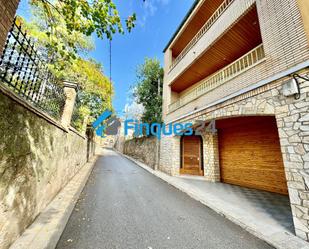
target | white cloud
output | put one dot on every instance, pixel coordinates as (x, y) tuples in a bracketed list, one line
[(150, 8), (134, 110)]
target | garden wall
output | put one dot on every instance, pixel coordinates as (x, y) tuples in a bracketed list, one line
[(143, 149), (38, 157)]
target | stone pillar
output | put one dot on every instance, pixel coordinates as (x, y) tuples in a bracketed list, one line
[(176, 161), (293, 125), (8, 9), (170, 155), (70, 94), (211, 157)]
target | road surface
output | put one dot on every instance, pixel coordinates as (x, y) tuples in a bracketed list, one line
[(124, 206)]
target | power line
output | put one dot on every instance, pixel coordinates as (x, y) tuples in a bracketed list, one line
[(110, 64), (110, 71)]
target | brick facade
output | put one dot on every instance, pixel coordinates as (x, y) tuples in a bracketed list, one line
[(258, 92), (285, 45), (7, 9)]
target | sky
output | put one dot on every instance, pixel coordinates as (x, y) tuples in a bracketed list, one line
[(157, 20)]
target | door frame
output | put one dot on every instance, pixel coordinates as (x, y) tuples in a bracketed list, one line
[(201, 168)]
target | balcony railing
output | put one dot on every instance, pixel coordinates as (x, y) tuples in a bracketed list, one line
[(229, 72), (202, 31)]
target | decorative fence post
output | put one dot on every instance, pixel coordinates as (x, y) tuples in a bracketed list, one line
[(70, 91)]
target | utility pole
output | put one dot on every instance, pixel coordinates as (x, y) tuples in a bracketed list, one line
[(158, 140)]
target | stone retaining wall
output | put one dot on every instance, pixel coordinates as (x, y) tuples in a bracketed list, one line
[(38, 157), (143, 149)]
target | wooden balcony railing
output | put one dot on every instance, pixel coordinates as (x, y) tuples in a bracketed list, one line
[(229, 72), (201, 32)]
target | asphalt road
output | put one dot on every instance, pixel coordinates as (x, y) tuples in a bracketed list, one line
[(123, 206)]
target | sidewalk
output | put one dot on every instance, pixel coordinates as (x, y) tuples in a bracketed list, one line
[(47, 228), (265, 215)]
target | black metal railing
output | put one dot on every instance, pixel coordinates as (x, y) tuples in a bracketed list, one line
[(26, 74)]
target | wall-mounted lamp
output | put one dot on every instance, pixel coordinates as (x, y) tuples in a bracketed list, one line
[(291, 86)]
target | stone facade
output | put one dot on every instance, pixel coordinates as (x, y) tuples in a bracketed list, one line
[(38, 156), (7, 9), (254, 92), (170, 155), (211, 156), (293, 126)]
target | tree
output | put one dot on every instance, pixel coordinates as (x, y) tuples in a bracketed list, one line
[(149, 78), (58, 48), (134, 110), (65, 62), (87, 17), (77, 18), (97, 90)]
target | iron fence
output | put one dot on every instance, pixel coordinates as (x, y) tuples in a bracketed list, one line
[(26, 74)]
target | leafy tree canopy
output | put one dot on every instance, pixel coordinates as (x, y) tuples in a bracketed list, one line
[(59, 49), (70, 20), (97, 88), (65, 51), (88, 17), (149, 76)]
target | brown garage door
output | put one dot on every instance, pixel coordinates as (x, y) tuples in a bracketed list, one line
[(250, 154)]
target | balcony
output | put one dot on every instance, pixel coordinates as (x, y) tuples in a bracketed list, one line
[(201, 32), (232, 20), (244, 63)]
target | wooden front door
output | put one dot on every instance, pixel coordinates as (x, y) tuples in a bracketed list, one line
[(191, 161), (250, 154)]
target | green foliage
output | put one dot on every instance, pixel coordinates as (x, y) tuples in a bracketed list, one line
[(63, 51), (87, 17), (60, 47), (97, 90), (149, 75)]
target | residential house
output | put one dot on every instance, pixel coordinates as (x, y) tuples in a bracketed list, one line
[(243, 64)]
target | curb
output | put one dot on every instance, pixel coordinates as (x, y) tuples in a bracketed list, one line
[(279, 240), (46, 230)]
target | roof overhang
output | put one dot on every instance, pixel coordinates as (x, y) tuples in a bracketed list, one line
[(186, 18)]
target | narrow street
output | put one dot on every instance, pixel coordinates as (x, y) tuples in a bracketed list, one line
[(124, 206)]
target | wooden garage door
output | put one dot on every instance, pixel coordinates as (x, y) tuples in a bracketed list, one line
[(250, 154), (191, 156)]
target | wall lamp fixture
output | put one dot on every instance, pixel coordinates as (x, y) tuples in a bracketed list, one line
[(291, 87)]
